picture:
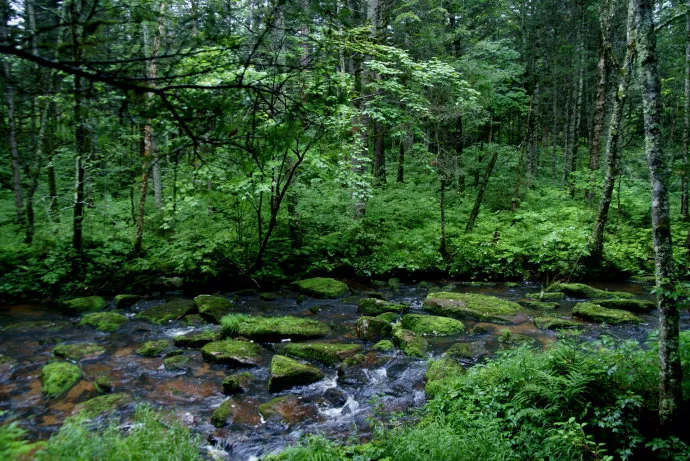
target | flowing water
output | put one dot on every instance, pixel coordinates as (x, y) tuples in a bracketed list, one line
[(339, 406)]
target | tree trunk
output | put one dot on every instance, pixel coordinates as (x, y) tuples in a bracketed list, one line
[(521, 162), (670, 372), (686, 122), (459, 158), (480, 193), (443, 249), (379, 154), (401, 161), (81, 139)]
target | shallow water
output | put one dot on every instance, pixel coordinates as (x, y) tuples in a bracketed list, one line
[(338, 406)]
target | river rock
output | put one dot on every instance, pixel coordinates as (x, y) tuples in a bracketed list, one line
[(176, 362), (102, 404), (555, 323), (237, 383), (384, 346), (288, 409), (580, 290), (78, 352), (197, 338), (410, 343), (330, 353), (233, 352), (322, 287), (546, 296), (213, 308), (172, 310), (6, 364), (372, 328), (467, 352), (272, 329), (596, 313), (632, 305), (155, 348), (103, 321), (86, 304), (59, 377), (471, 306), (374, 306), (542, 305), (335, 397), (432, 325), (286, 372), (126, 300)]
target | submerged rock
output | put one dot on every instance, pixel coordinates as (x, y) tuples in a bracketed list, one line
[(374, 306), (272, 328), (470, 306), (197, 338), (237, 383), (596, 313), (87, 304), (213, 308), (432, 325), (632, 305), (233, 352), (59, 377), (580, 290), (467, 352), (330, 353), (286, 372), (126, 300), (288, 408), (555, 323), (268, 296), (155, 348), (546, 296), (103, 321), (176, 362), (104, 384), (102, 404), (78, 352), (172, 310), (372, 328), (410, 343), (322, 287)]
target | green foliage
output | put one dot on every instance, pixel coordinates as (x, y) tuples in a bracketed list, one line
[(12, 443)]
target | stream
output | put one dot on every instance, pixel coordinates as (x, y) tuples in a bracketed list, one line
[(338, 406)]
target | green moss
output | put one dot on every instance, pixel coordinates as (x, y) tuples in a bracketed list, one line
[(553, 323), (540, 305), (596, 313), (59, 377), (269, 296), (410, 343), (460, 351), (104, 384), (233, 352), (176, 362), (389, 317), (237, 383), (102, 404), (213, 308), (78, 352), (286, 372), (222, 414), (103, 321), (512, 285), (546, 296), (288, 408), (515, 339), (643, 278), (272, 328), (372, 328), (470, 306), (632, 305), (432, 325), (126, 300), (374, 306), (155, 348), (322, 287), (172, 310), (384, 346), (580, 290), (87, 304), (330, 353), (196, 338), (439, 372), (193, 320)]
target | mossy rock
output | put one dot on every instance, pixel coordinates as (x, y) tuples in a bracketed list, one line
[(410, 343), (213, 308), (103, 321), (554, 323), (78, 352), (425, 285), (197, 338), (330, 353), (86, 304), (288, 409), (6, 365), (193, 320), (269, 296), (172, 310), (286, 372), (374, 306), (322, 287), (394, 283), (384, 345), (540, 305), (516, 339), (432, 325), (375, 295), (471, 306), (233, 352), (237, 383), (596, 313), (102, 404), (632, 305), (372, 328), (546, 296), (512, 285), (223, 414), (643, 278), (440, 372), (580, 290), (272, 328), (390, 317), (104, 384), (176, 362), (155, 348), (59, 377), (125, 300), (466, 351)]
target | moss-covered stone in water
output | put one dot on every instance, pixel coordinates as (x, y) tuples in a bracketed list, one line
[(233, 352), (223, 414), (172, 310), (126, 300), (197, 338), (390, 317), (441, 371), (372, 328), (87, 304), (540, 305), (432, 325), (104, 384), (322, 287), (288, 409), (272, 328), (467, 352), (176, 363), (237, 383), (213, 308), (580, 290), (410, 343), (193, 320), (329, 353), (512, 285), (384, 346), (286, 372), (373, 306), (78, 352), (470, 306), (516, 339), (268, 296), (102, 404), (596, 313), (632, 305), (546, 296), (103, 321), (553, 323), (155, 348), (59, 377)]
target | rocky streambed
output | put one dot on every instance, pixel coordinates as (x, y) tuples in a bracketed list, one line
[(255, 371)]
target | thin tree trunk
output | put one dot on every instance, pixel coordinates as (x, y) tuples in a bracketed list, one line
[(686, 122), (521, 162), (459, 155), (443, 249), (480, 193), (401, 161), (578, 109), (80, 129), (379, 154)]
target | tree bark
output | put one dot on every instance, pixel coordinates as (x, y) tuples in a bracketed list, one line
[(379, 154), (401, 161), (80, 128), (686, 122), (480, 193)]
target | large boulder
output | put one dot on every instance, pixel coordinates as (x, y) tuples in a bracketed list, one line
[(103, 321), (470, 306), (410, 343), (580, 290), (374, 306), (322, 287), (286, 372), (233, 352), (272, 328), (59, 377), (197, 338), (126, 300), (213, 308), (596, 313), (432, 325), (330, 353), (87, 304), (172, 310), (372, 328), (79, 351)]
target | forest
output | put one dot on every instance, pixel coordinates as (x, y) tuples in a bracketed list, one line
[(168, 150)]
